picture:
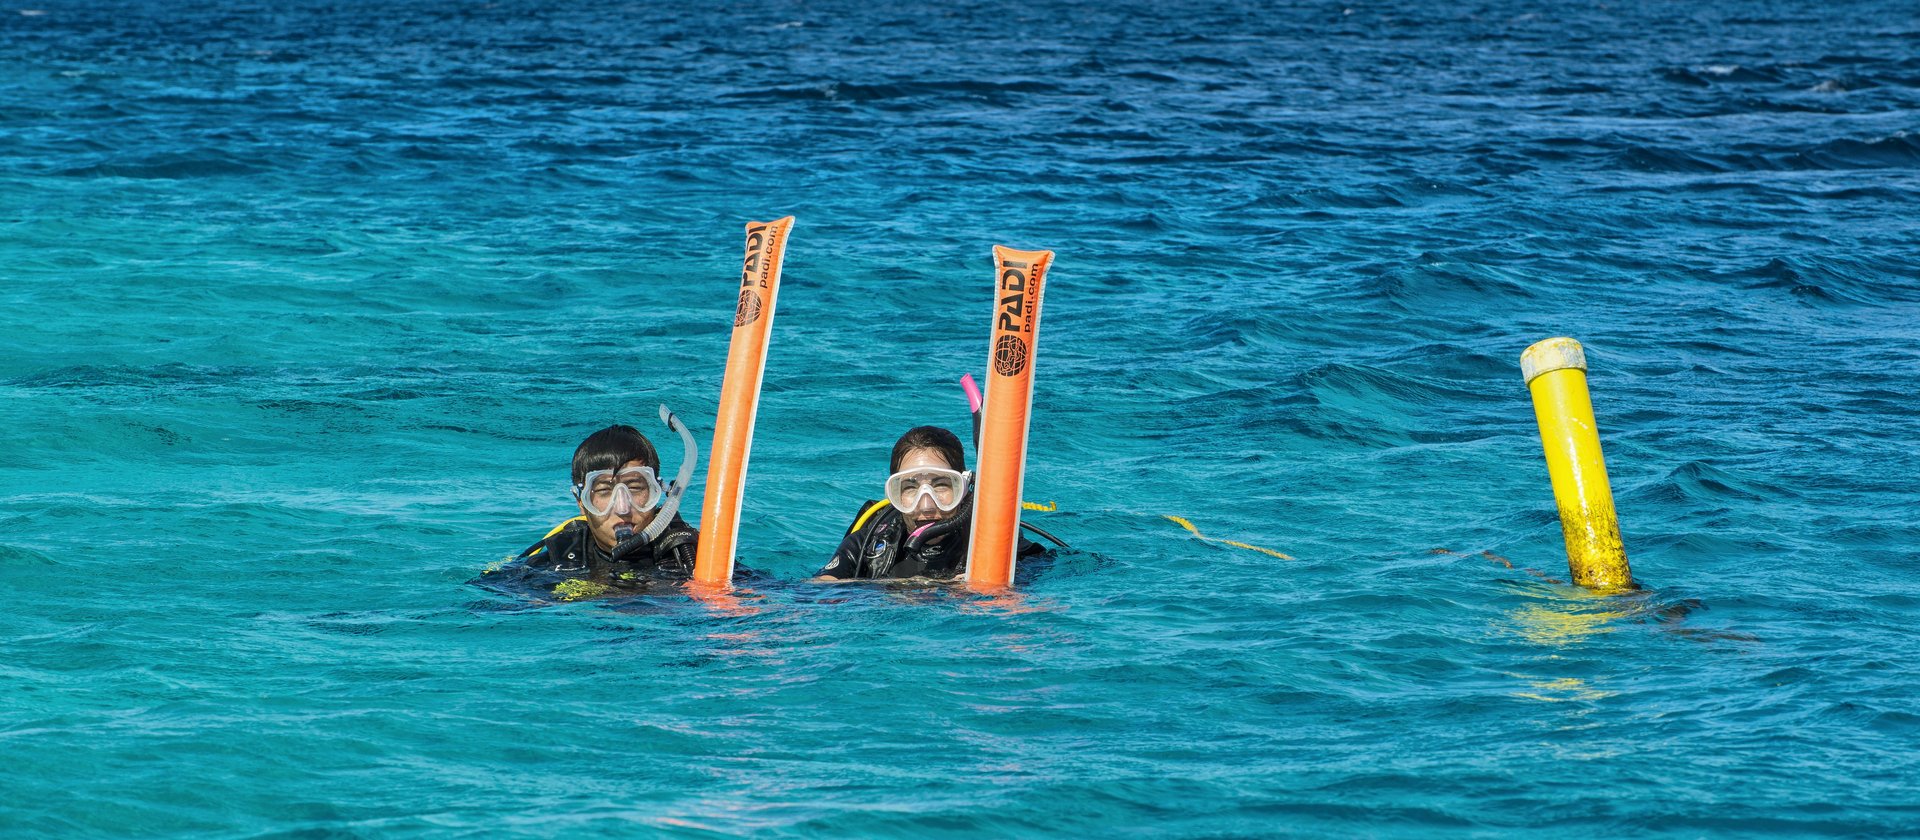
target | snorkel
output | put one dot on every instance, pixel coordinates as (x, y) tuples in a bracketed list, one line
[(625, 540), (962, 514), (974, 401), (679, 486), (920, 536)]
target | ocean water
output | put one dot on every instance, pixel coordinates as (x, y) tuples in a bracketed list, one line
[(307, 303)]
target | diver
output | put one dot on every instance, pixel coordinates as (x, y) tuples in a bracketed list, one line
[(629, 530), (922, 527)]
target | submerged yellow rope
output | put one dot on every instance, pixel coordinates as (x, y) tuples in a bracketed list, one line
[(1196, 532)]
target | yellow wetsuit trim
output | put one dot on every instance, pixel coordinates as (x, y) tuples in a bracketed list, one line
[(1196, 532), (865, 516), (557, 529), (563, 526)]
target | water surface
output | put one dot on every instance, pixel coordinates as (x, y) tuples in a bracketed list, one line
[(308, 303)]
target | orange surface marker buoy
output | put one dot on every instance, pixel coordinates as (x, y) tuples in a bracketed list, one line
[(739, 401), (1018, 283)]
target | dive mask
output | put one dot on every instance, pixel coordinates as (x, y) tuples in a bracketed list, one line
[(619, 491), (946, 487)]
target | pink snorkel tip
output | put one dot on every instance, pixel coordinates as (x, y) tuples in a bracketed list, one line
[(921, 530), (973, 391)]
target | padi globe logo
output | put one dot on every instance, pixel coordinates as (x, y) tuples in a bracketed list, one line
[(1014, 316), (748, 310), (752, 275), (1009, 356)]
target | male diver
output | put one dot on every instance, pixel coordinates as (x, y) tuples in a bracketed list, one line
[(629, 531), (921, 529)]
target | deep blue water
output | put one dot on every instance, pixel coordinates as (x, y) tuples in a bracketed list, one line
[(307, 303)]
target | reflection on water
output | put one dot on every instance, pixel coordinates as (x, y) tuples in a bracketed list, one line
[(1559, 690), (1561, 624)]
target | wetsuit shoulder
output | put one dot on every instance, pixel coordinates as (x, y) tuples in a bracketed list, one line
[(562, 549), (866, 516), (847, 558), (541, 546)]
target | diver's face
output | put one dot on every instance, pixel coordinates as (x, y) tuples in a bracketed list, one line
[(926, 512), (620, 514)]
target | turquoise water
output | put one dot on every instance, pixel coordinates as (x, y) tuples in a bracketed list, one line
[(308, 303)]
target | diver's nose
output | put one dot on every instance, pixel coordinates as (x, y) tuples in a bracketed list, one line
[(622, 500)]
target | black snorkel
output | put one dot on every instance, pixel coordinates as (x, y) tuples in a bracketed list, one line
[(959, 521), (933, 530)]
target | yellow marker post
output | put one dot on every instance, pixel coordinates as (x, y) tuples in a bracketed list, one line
[(1556, 373)]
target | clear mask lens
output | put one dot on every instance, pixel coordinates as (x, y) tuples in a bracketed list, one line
[(906, 488), (608, 492)]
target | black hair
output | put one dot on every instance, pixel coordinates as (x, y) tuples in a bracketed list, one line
[(610, 447), (929, 437)]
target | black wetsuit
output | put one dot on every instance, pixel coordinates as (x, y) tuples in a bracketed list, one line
[(571, 553), (873, 548)]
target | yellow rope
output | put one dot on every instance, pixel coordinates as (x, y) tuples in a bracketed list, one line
[(1050, 506), (1196, 532)]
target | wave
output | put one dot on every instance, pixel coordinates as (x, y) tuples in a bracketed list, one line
[(1700, 481), (1377, 407), (13, 555), (1716, 74), (1210, 61), (1653, 159), (203, 163), (1900, 150), (1576, 89), (1816, 281), (1369, 197), (1766, 105), (171, 374), (1459, 366), (997, 92), (1842, 84), (1434, 280), (1112, 136)]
